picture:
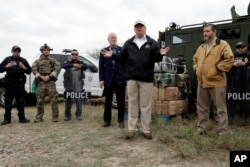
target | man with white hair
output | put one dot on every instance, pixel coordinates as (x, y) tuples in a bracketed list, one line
[(113, 78)]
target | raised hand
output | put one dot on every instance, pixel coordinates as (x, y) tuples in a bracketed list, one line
[(107, 53), (164, 50)]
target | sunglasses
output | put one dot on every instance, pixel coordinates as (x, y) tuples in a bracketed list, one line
[(17, 51), (240, 47), (74, 54)]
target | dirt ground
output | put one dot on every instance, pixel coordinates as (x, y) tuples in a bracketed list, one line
[(87, 143)]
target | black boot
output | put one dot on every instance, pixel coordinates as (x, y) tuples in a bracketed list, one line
[(24, 120), (5, 122), (106, 124)]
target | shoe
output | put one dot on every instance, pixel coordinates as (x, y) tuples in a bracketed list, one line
[(66, 118), (24, 121), (5, 122), (148, 135), (106, 124), (55, 120), (121, 125), (38, 120), (79, 118), (202, 133)]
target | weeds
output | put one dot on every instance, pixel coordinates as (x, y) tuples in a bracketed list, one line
[(181, 135), (87, 143)]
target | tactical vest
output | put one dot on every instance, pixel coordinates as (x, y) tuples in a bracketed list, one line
[(45, 66), (14, 73)]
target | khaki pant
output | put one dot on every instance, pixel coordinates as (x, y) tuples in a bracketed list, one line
[(139, 100), (205, 96)]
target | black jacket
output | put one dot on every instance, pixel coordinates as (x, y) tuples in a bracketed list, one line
[(109, 70), (15, 73), (140, 62), (71, 84), (244, 57)]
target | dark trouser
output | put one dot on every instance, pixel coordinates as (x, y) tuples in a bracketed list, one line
[(14, 90), (68, 104), (120, 96)]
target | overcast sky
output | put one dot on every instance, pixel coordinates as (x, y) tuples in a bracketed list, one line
[(84, 24)]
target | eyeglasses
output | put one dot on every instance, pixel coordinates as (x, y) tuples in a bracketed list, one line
[(240, 47), (74, 54)]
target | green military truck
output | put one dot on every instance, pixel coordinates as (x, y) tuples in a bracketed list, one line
[(184, 40)]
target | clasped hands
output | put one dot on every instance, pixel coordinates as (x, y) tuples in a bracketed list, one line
[(21, 65), (77, 66), (46, 78), (239, 63)]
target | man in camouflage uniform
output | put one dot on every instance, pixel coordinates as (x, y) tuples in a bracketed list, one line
[(46, 70)]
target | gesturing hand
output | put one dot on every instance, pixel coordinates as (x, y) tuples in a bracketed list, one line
[(164, 50), (107, 53)]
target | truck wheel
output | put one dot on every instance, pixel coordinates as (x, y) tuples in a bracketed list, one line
[(2, 103)]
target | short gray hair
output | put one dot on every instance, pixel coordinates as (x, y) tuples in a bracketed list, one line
[(110, 34)]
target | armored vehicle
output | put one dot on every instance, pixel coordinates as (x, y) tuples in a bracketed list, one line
[(184, 40)]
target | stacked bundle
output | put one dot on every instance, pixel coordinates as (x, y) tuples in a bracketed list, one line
[(171, 86)]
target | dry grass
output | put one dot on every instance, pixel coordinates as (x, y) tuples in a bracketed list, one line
[(87, 143)]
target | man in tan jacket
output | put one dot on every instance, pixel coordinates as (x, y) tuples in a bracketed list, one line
[(211, 61)]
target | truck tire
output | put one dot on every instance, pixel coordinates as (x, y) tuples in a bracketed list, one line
[(2, 104)]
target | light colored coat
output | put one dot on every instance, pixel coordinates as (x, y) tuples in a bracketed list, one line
[(211, 68)]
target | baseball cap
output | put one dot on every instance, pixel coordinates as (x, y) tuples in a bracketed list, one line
[(139, 22), (16, 47), (241, 43)]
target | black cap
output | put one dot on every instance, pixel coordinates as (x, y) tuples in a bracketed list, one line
[(16, 47), (241, 43)]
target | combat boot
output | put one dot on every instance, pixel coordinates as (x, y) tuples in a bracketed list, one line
[(38, 120), (24, 120), (5, 122)]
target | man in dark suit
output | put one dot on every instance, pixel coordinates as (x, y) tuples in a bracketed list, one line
[(112, 77)]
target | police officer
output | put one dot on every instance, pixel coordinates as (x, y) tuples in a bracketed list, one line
[(46, 70), (73, 83), (238, 81), (15, 67)]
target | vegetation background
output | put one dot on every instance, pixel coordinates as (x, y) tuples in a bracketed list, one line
[(87, 144)]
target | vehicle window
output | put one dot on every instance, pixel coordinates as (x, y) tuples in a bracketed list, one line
[(181, 38), (86, 61), (229, 33), (60, 57)]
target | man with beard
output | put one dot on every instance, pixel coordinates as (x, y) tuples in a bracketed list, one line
[(211, 62)]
